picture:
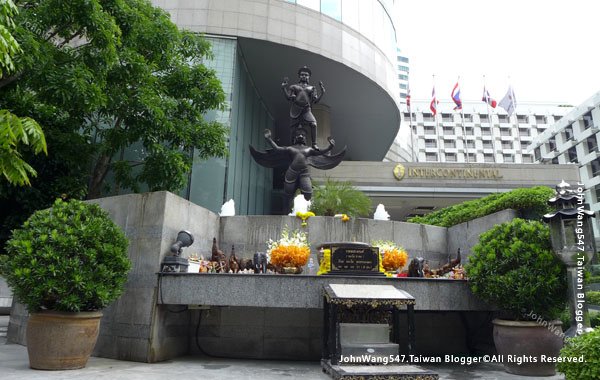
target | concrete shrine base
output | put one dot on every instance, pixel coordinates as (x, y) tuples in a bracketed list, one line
[(160, 317)]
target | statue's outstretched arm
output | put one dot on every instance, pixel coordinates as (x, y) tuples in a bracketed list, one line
[(318, 96), (328, 149), (270, 140), (286, 91)]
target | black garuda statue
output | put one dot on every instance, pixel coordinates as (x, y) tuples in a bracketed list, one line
[(296, 158)]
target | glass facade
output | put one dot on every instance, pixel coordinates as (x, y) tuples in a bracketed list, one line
[(236, 177), (371, 18)]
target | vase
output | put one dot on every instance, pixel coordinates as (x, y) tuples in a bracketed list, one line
[(61, 340)]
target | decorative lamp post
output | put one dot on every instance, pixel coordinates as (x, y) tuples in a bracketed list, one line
[(573, 243)]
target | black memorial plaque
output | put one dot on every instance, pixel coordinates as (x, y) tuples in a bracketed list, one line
[(354, 259)]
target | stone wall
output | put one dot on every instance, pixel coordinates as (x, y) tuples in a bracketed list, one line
[(5, 297), (149, 324)]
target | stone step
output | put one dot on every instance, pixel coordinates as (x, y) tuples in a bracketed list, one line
[(379, 372)]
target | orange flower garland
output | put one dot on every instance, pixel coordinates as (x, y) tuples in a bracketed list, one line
[(394, 257), (291, 250)]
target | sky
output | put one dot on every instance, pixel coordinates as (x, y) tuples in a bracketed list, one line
[(548, 50)]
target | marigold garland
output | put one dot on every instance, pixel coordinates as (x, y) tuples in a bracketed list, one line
[(394, 257), (291, 250)]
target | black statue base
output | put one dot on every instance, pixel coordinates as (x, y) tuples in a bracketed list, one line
[(379, 372), (174, 264)]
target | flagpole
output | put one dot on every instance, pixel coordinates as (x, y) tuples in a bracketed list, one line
[(512, 94), (462, 121), (491, 127), (435, 119), (415, 156)]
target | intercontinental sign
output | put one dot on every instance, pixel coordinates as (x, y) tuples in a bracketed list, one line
[(401, 172)]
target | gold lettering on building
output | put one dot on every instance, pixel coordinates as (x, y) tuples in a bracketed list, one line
[(401, 172)]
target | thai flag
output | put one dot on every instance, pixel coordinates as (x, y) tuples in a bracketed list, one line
[(486, 98), (408, 98), (456, 97), (433, 104)]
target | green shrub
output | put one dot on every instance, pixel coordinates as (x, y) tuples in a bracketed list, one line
[(336, 197), (593, 280), (593, 297), (70, 257), (513, 267), (594, 318), (586, 345), (529, 202)]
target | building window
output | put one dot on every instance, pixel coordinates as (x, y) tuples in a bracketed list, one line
[(503, 118), (588, 121), (402, 59), (537, 153), (332, 8), (595, 166), (569, 132), (597, 191), (403, 68), (430, 143), (504, 131), (429, 130), (403, 86), (469, 131), (524, 132), (472, 157), (555, 160), (487, 144), (470, 144), (402, 77), (508, 158), (507, 145), (592, 144), (485, 131), (483, 117), (448, 130), (527, 159), (407, 115), (447, 118), (431, 157), (521, 118), (572, 155), (552, 143), (468, 118), (488, 157), (540, 119), (450, 157), (428, 117), (449, 144)]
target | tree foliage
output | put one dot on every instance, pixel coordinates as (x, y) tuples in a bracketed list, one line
[(15, 132), (119, 89)]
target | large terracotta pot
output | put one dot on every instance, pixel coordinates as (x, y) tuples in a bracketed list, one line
[(525, 343), (61, 340)]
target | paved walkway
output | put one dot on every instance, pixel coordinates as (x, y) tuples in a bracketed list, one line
[(14, 365)]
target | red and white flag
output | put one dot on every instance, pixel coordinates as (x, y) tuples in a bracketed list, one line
[(434, 102), (487, 98)]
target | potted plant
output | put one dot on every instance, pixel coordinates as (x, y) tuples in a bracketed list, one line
[(336, 197), (513, 268), (65, 264)]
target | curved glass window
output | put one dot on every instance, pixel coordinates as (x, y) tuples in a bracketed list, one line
[(369, 17)]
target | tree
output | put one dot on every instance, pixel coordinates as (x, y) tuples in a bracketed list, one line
[(108, 78), (15, 131)]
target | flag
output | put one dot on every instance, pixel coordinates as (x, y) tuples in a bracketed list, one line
[(456, 97), (486, 98), (408, 97), (509, 102), (433, 104)]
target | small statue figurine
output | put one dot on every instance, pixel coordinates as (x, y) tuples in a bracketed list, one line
[(260, 262), (234, 265), (303, 96)]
